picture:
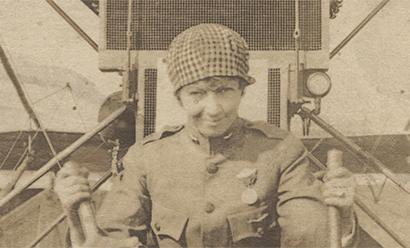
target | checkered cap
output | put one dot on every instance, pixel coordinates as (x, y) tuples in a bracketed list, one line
[(207, 50)]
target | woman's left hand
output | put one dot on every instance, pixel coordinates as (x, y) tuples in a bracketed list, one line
[(339, 190)]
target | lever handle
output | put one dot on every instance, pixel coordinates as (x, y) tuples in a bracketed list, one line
[(88, 221), (334, 161)]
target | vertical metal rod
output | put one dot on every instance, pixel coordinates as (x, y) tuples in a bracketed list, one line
[(126, 96), (334, 162), (296, 36), (129, 33)]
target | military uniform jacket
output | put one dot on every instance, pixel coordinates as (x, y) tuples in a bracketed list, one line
[(187, 192)]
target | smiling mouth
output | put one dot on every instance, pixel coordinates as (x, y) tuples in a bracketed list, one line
[(213, 122)]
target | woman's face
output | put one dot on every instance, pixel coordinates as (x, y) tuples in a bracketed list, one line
[(212, 104)]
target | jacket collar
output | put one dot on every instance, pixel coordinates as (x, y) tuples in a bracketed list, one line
[(214, 145)]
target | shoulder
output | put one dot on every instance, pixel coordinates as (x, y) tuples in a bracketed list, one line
[(164, 133), (147, 150), (285, 142), (267, 130)]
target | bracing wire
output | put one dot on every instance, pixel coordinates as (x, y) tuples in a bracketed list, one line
[(377, 143), (49, 95), (11, 149), (93, 151), (13, 145), (54, 114), (23, 154), (75, 106), (24, 97)]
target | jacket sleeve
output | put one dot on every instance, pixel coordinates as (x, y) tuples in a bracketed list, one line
[(125, 210), (302, 213)]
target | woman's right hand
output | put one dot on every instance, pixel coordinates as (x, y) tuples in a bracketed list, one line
[(71, 186)]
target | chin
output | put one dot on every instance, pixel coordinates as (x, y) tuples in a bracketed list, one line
[(213, 132)]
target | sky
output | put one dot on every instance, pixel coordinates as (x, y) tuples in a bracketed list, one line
[(47, 54), (370, 76)]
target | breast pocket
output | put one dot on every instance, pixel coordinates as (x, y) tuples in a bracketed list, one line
[(167, 223), (251, 225)]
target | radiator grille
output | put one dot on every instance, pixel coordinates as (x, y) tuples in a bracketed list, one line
[(150, 100), (265, 24), (274, 96)]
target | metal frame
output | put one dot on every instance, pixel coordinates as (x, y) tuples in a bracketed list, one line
[(62, 155), (361, 154), (303, 111)]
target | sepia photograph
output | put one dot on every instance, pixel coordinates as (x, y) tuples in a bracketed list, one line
[(204, 123)]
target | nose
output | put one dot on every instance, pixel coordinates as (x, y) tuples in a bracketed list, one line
[(213, 106)]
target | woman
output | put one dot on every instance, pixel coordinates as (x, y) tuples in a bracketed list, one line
[(218, 180)]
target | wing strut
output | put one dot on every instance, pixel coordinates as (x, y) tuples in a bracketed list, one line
[(359, 27)]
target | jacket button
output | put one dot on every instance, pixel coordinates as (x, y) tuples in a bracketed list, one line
[(209, 208), (260, 231), (157, 226), (212, 168), (273, 225)]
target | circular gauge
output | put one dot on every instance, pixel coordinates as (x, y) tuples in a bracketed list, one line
[(318, 84)]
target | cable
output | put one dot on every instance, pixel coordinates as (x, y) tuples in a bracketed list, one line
[(354, 148), (62, 155), (10, 150), (62, 217), (25, 151), (94, 151), (24, 98), (363, 206), (75, 106), (49, 95)]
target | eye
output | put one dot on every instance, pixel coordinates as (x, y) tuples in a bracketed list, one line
[(223, 90), (196, 93)]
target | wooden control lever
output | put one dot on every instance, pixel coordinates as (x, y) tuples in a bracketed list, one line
[(334, 161)]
